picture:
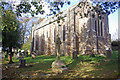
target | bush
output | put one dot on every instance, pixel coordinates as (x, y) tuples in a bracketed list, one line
[(26, 46), (114, 45)]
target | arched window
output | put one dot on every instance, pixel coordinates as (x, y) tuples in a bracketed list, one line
[(64, 33), (47, 34), (54, 35), (96, 27), (37, 40), (101, 30)]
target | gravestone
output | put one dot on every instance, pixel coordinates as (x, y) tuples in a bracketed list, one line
[(10, 55), (92, 55), (22, 60), (108, 53), (18, 54), (22, 63), (2, 55), (102, 55), (23, 52), (15, 55), (75, 55), (26, 53), (33, 54), (58, 66)]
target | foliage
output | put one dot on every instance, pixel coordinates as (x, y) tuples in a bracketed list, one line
[(114, 43), (27, 45), (25, 29), (25, 7), (10, 30)]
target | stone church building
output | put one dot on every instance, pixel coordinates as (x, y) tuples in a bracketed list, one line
[(77, 32)]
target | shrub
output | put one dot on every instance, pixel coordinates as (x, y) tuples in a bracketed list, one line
[(114, 45)]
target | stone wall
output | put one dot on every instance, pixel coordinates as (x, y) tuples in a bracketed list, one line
[(81, 34)]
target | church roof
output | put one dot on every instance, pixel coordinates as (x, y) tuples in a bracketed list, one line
[(50, 19)]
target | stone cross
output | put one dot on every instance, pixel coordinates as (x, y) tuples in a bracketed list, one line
[(58, 43)]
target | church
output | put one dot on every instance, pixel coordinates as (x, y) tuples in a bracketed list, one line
[(80, 33)]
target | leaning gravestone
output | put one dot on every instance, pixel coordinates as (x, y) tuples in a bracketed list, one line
[(22, 60)]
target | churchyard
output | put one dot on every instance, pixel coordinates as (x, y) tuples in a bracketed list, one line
[(84, 67)]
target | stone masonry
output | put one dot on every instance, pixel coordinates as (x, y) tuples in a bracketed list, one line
[(84, 35)]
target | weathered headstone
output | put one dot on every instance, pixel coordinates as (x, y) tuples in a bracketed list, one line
[(26, 53), (10, 55), (15, 55), (22, 60), (58, 66), (108, 53), (2, 55), (75, 55), (23, 52), (92, 55), (102, 54), (33, 54), (22, 63), (18, 54)]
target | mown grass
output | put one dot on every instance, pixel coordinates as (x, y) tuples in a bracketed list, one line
[(83, 67)]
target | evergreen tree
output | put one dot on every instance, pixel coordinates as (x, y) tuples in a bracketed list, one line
[(10, 32)]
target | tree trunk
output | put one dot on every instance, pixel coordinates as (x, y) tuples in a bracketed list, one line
[(11, 61), (10, 56)]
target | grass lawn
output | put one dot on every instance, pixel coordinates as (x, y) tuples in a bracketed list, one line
[(83, 67)]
